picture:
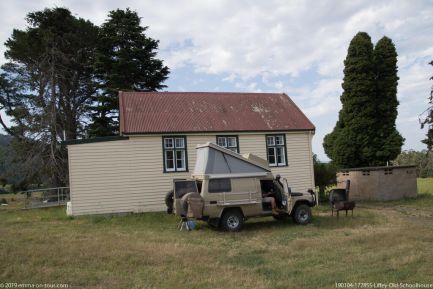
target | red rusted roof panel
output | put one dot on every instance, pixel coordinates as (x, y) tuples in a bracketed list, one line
[(162, 112)]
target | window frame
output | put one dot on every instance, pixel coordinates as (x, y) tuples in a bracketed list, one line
[(238, 150), (175, 150), (275, 146)]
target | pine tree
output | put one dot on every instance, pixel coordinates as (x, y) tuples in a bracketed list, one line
[(350, 143), (388, 141), (125, 60)]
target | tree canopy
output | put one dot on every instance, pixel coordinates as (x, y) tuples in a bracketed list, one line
[(423, 160), (125, 59), (47, 84), (388, 141), (429, 120), (61, 81), (365, 132)]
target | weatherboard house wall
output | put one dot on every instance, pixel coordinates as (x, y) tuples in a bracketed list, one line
[(132, 173)]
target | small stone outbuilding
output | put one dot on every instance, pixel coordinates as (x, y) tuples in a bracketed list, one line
[(379, 183)]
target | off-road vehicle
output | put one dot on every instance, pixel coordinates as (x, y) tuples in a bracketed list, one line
[(227, 188)]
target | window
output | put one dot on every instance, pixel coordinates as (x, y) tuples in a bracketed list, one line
[(276, 150), (230, 142), (183, 187), (219, 185), (174, 153), (388, 171)]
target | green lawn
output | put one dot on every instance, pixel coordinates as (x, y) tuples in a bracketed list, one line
[(425, 186), (383, 242)]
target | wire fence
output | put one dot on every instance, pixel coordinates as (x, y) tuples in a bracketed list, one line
[(37, 198)]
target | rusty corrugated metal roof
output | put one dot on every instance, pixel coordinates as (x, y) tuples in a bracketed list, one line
[(172, 112)]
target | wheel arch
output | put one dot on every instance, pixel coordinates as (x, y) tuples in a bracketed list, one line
[(300, 202), (226, 209)]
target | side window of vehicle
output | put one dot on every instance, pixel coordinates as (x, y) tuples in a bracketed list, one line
[(219, 185)]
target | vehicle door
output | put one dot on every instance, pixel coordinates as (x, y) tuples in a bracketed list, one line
[(287, 194)]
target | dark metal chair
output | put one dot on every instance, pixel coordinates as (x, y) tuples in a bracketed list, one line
[(339, 200)]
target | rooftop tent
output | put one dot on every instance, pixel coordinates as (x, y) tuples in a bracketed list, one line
[(217, 162)]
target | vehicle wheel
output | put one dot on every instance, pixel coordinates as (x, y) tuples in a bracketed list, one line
[(169, 199), (280, 217), (302, 214), (232, 220)]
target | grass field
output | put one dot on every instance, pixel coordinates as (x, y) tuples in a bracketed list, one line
[(383, 242), (14, 201), (425, 186)]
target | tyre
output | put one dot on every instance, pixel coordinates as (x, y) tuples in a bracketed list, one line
[(302, 214), (169, 199), (232, 220)]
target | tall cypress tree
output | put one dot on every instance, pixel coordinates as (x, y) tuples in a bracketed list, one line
[(350, 143), (365, 133), (125, 60), (388, 140), (429, 121)]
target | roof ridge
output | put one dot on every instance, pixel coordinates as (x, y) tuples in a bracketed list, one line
[(200, 92)]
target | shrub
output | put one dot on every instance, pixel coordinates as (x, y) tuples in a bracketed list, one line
[(324, 177)]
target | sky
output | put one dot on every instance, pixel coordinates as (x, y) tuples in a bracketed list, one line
[(295, 47)]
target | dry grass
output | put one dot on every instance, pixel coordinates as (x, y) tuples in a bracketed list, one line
[(14, 201), (391, 244)]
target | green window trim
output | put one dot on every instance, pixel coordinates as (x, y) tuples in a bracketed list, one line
[(226, 141), (276, 150), (175, 154)]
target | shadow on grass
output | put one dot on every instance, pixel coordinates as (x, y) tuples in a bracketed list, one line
[(321, 220), (422, 200)]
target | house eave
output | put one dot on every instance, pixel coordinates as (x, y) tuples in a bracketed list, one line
[(218, 132)]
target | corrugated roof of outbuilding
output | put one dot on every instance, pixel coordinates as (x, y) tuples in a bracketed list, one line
[(173, 112)]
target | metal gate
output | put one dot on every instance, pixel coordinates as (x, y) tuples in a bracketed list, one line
[(48, 197)]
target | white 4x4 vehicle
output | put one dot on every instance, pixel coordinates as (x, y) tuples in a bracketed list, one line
[(227, 188)]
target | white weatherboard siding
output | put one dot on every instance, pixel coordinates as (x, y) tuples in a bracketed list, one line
[(299, 172), (127, 175)]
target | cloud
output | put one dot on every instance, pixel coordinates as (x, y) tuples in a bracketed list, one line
[(297, 47), (246, 38), (323, 98)]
